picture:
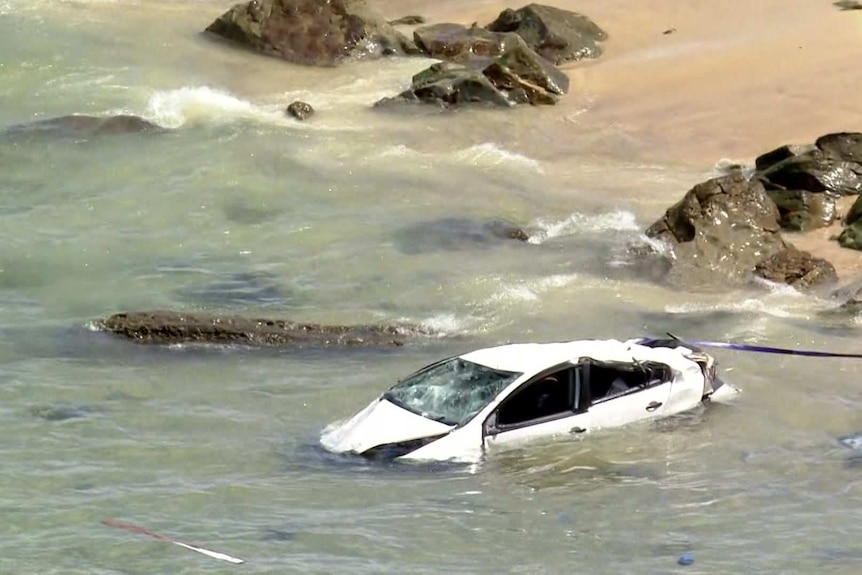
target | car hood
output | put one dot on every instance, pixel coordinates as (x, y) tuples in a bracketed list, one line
[(380, 423)]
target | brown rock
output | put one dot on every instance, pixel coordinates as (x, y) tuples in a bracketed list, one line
[(796, 268), (300, 110)]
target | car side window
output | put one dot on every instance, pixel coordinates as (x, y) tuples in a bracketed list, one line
[(611, 380), (551, 396)]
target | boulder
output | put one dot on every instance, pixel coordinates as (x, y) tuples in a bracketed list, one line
[(719, 231), (311, 32), (458, 43), (556, 34), (814, 171), (802, 211), (796, 268), (846, 146), (300, 110), (517, 76), (845, 5), (780, 154), (167, 327)]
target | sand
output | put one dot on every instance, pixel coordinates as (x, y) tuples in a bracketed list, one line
[(729, 80)]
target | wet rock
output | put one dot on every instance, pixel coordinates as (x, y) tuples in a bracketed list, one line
[(780, 154), (311, 32), (802, 211), (300, 110), (796, 268), (813, 171), (845, 146), (851, 236), (720, 230), (168, 327), (556, 34), (517, 76), (452, 234), (458, 43), (411, 20), (844, 5), (849, 297), (82, 126)]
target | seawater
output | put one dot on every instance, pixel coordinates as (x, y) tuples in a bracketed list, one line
[(351, 218)]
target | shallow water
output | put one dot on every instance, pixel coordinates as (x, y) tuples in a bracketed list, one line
[(349, 218)]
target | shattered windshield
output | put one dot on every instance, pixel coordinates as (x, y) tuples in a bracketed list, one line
[(451, 391)]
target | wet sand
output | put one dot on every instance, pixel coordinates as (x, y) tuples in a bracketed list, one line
[(687, 84)]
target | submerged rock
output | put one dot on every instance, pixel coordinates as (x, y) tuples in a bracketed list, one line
[(452, 234), (796, 268), (300, 110), (167, 327), (83, 125), (556, 34), (311, 32), (720, 230), (844, 5)]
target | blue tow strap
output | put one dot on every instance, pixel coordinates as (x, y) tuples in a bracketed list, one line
[(765, 349)]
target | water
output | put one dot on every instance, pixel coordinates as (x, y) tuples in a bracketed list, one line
[(349, 218)]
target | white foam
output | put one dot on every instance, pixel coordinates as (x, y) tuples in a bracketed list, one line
[(446, 323), (532, 289), (174, 108), (490, 155), (619, 220)]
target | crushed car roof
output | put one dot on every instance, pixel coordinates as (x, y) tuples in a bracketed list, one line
[(533, 357)]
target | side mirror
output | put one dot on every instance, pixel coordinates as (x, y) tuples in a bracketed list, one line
[(490, 425)]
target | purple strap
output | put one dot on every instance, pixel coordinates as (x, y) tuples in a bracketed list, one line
[(765, 349)]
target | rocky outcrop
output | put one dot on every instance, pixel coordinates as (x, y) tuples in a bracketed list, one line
[(719, 231), (557, 35), (517, 76), (167, 327), (82, 126), (311, 32), (300, 110), (796, 268)]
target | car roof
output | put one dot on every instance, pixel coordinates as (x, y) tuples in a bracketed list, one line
[(530, 358)]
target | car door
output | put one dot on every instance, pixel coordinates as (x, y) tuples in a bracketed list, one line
[(647, 396), (548, 406)]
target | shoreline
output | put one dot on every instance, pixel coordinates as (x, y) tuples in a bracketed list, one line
[(730, 82)]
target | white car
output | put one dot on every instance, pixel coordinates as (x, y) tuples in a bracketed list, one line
[(461, 407)]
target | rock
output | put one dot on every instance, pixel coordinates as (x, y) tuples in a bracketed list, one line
[(167, 327), (813, 171), (849, 296), (720, 230), (557, 35), (780, 154), (797, 269), (848, 5), (82, 126), (300, 110), (851, 236), (452, 234), (458, 43), (802, 211), (518, 76), (844, 146), (408, 21), (311, 32)]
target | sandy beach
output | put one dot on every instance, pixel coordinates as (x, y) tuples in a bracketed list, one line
[(693, 83)]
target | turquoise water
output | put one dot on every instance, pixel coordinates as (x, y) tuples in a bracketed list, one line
[(349, 218)]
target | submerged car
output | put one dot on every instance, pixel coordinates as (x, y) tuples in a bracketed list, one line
[(463, 406)]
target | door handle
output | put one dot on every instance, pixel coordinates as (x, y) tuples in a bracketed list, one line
[(653, 405), (577, 430)]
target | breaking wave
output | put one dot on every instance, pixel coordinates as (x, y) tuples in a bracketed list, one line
[(490, 155), (577, 223), (174, 108), (532, 289)]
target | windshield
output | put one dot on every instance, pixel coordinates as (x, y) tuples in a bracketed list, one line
[(451, 391)]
